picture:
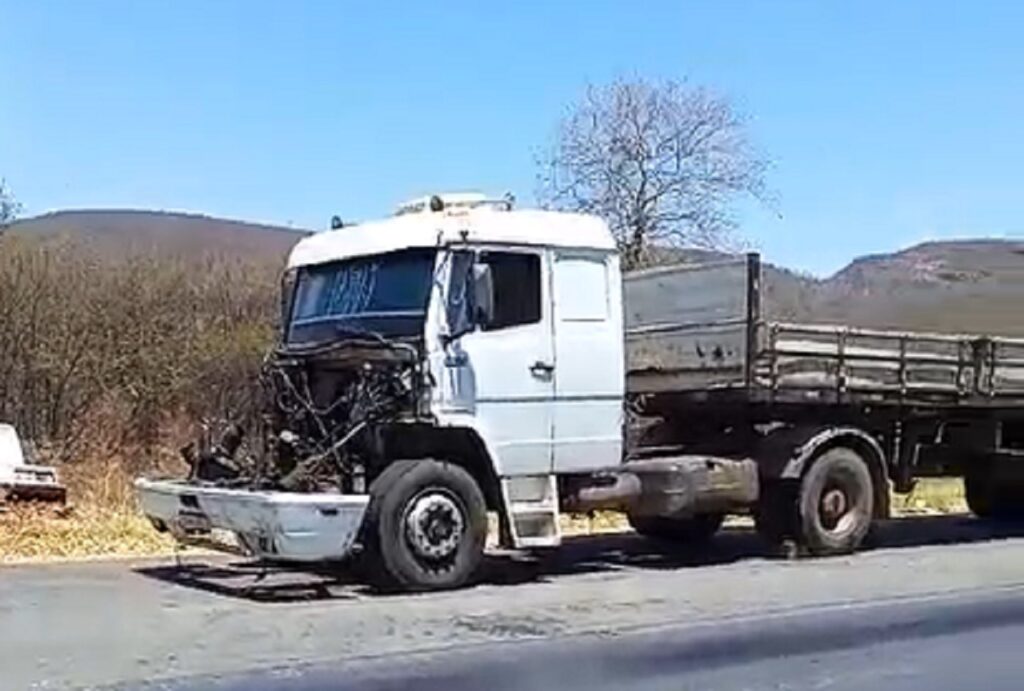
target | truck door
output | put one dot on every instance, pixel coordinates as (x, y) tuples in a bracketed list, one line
[(589, 367), (512, 362)]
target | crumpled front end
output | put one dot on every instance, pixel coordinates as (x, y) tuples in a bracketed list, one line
[(289, 526)]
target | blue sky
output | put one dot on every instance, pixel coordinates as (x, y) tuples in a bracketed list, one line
[(888, 122)]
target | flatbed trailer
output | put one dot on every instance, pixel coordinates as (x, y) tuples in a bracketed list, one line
[(704, 351), (706, 331)]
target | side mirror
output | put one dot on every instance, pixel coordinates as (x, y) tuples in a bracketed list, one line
[(288, 281), (483, 295)]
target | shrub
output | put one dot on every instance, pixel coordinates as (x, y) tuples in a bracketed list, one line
[(121, 357)]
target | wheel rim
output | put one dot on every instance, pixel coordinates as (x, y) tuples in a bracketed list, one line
[(839, 504), (434, 525)]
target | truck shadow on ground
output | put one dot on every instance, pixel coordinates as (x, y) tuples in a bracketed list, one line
[(274, 583)]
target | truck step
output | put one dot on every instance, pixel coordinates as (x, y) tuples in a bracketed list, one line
[(533, 510), (537, 530)]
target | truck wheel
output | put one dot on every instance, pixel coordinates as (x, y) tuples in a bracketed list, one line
[(836, 503), (989, 496), (425, 527), (978, 492), (695, 530), (775, 515)]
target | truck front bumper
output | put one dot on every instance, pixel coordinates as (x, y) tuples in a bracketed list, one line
[(274, 525)]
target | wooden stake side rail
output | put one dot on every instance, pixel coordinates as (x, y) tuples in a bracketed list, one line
[(844, 361), (703, 332)]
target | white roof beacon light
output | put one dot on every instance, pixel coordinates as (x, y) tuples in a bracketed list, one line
[(454, 203)]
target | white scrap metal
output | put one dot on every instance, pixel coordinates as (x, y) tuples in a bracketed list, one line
[(274, 525), (20, 479)]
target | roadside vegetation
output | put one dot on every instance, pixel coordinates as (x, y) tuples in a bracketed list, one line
[(108, 365)]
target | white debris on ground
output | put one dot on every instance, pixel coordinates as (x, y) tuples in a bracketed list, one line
[(22, 479)]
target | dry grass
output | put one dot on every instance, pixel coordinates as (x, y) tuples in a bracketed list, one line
[(931, 496), (594, 524), (101, 520), (41, 533)]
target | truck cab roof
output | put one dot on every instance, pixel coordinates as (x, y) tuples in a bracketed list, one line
[(468, 219)]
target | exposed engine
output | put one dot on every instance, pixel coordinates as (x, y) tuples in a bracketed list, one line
[(320, 412)]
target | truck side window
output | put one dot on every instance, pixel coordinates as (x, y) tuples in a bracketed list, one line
[(581, 289), (460, 290), (516, 278)]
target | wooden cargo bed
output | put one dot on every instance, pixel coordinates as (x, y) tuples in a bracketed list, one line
[(705, 332)]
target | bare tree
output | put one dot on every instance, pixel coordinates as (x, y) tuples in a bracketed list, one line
[(660, 162), (9, 207)]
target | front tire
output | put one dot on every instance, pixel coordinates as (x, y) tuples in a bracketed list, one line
[(425, 527)]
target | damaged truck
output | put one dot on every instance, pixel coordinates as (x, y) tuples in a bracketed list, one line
[(465, 359)]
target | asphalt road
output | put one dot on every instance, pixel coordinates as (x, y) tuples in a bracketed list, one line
[(960, 642), (212, 623)]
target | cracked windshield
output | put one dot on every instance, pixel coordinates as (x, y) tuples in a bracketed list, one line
[(384, 295)]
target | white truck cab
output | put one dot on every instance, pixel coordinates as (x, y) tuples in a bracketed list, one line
[(516, 319), (541, 379)]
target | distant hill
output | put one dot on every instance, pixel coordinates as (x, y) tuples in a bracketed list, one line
[(974, 286), (786, 295), (175, 233), (968, 285)]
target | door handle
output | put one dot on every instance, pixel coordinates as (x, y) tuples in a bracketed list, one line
[(541, 369), (456, 360)]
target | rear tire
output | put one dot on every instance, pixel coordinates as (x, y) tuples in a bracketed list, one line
[(425, 527), (694, 530), (775, 516), (836, 503), (828, 512), (978, 493), (989, 496)]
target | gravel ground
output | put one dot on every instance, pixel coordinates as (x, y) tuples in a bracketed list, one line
[(90, 624)]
